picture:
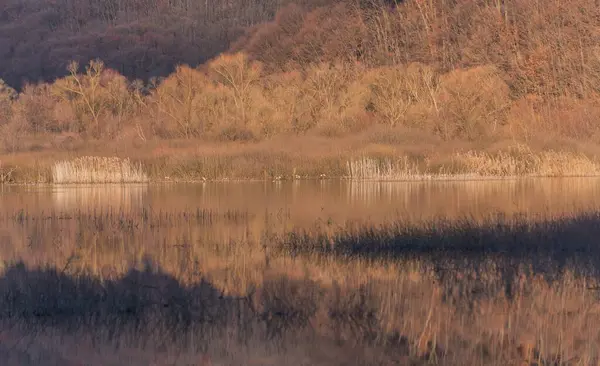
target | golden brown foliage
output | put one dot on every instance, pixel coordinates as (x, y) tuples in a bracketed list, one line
[(461, 72)]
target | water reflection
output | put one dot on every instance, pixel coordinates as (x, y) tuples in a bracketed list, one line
[(181, 221), (476, 198), (99, 197), (332, 199)]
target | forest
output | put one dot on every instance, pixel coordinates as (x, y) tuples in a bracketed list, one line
[(420, 78)]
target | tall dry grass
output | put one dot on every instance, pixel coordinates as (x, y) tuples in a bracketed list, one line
[(309, 158), (93, 169), (513, 163), (523, 162), (6, 174), (384, 169)]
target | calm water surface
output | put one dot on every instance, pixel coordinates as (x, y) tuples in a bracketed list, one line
[(118, 223), (305, 201)]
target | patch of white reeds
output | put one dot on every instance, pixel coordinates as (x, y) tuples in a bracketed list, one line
[(366, 168), (93, 169)]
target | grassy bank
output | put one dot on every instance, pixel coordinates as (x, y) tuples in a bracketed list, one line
[(295, 158), (496, 291)]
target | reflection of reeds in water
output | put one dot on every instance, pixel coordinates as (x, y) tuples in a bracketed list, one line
[(300, 204), (93, 169), (141, 229), (474, 198), (89, 197)]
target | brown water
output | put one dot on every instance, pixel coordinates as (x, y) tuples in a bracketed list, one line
[(303, 202), (113, 226)]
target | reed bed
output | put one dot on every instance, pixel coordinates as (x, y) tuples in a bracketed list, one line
[(6, 174), (402, 169), (501, 290), (473, 165), (380, 163), (366, 168), (93, 169), (526, 163)]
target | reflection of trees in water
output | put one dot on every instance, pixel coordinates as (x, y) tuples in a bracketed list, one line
[(120, 197), (474, 198)]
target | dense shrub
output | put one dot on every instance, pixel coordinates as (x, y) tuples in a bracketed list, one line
[(456, 69)]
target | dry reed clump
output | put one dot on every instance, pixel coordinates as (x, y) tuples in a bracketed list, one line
[(6, 174), (501, 164), (560, 163), (524, 162), (93, 169), (366, 168), (403, 169), (516, 162)]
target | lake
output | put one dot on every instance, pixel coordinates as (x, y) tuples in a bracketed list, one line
[(215, 289), (304, 201), (52, 224)]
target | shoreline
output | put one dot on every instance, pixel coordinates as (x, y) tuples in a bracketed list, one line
[(442, 179), (298, 159)]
